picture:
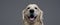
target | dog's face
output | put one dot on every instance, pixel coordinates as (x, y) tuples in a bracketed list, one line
[(31, 12)]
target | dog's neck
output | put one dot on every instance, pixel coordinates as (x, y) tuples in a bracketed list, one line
[(31, 23), (34, 23)]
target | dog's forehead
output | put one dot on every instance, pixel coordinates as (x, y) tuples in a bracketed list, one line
[(32, 5)]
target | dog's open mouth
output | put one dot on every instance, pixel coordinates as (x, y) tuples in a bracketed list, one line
[(32, 17)]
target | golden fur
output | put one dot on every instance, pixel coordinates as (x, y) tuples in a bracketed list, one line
[(37, 21)]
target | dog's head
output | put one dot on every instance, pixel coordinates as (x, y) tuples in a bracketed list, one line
[(31, 12)]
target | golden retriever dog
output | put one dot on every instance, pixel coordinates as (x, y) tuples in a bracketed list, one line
[(32, 15)]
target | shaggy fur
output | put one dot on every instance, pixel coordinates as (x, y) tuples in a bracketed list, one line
[(39, 17)]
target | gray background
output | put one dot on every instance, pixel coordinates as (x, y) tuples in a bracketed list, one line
[(10, 11)]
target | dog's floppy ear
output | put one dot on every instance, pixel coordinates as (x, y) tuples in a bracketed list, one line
[(41, 16), (23, 13)]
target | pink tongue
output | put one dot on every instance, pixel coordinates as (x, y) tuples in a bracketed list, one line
[(31, 18)]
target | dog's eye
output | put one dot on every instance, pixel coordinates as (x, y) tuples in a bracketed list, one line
[(28, 8), (35, 8)]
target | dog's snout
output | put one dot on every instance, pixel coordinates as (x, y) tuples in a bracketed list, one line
[(31, 11)]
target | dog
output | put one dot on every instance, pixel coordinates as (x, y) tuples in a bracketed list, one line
[(32, 15)]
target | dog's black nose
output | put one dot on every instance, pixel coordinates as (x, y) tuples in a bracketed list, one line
[(31, 11)]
